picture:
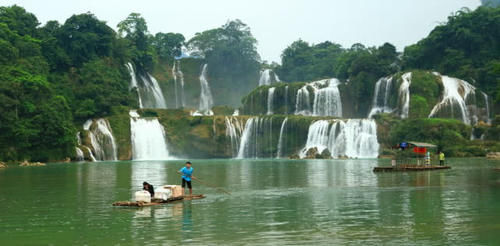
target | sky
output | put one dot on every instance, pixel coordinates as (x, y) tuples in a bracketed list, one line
[(274, 23)]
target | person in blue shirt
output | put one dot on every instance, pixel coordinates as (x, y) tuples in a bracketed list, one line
[(187, 174)]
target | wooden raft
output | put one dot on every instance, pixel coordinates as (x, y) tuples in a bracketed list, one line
[(156, 201), (407, 168)]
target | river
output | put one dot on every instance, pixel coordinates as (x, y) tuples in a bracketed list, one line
[(271, 202)]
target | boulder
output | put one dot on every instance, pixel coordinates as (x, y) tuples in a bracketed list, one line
[(2, 165), (26, 163), (324, 155), (312, 153), (493, 155), (294, 157)]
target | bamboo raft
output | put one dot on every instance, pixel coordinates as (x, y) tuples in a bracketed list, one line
[(405, 168), (156, 201)]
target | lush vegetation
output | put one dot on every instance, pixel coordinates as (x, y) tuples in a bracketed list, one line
[(56, 76), (467, 47), (233, 60)]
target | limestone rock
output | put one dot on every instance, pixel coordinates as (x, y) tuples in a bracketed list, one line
[(26, 163), (493, 155)]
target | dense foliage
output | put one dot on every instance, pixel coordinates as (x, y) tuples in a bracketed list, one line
[(467, 47), (233, 60)]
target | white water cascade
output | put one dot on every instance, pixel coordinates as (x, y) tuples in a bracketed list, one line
[(256, 137), (282, 136), (381, 97), (270, 97), (148, 138), (178, 82), (101, 139), (404, 95), (206, 100), (456, 92), (326, 102), (234, 130), (356, 138), (79, 154), (487, 104), (149, 92), (266, 78)]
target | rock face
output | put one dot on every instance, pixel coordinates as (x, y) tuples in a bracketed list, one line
[(2, 165), (493, 155), (31, 164), (313, 153)]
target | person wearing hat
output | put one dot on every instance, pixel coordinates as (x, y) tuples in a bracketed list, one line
[(187, 174)]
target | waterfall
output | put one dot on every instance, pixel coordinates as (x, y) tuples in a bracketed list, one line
[(206, 100), (487, 104), (101, 139), (404, 95), (327, 100), (356, 138), (286, 99), (178, 79), (92, 158), (247, 149), (282, 136), (381, 97), (454, 97), (303, 102), (266, 78), (148, 139), (79, 154), (234, 130), (133, 82), (270, 95), (149, 92)]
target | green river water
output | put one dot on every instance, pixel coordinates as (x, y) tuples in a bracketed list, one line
[(273, 202)]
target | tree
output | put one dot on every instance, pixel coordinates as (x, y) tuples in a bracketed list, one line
[(84, 38), (168, 45), (134, 29)]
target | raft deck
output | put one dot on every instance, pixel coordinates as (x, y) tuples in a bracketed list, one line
[(156, 201), (409, 168)]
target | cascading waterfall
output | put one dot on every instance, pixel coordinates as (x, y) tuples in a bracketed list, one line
[(327, 100), (257, 138), (455, 95), (286, 99), (149, 92), (270, 97), (101, 139), (303, 102), (178, 79), (79, 154), (266, 78), (133, 82), (282, 136), (381, 97), (404, 95), (234, 130), (148, 138), (92, 157), (356, 138), (206, 100), (487, 104)]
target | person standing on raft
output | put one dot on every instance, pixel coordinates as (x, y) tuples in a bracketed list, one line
[(441, 158), (187, 174)]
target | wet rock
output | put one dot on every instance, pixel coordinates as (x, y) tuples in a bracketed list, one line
[(493, 155), (312, 153), (294, 157), (31, 164), (324, 155)]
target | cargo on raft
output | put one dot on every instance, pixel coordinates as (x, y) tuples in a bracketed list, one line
[(156, 201), (164, 194)]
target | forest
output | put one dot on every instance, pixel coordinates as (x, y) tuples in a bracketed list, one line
[(55, 76)]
